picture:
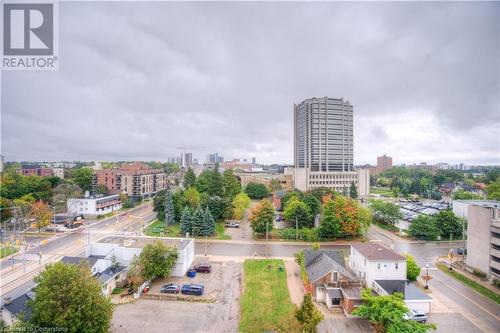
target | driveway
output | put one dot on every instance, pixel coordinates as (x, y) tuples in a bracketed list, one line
[(294, 281), (343, 325)]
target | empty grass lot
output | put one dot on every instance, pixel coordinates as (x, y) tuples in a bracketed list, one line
[(265, 304)]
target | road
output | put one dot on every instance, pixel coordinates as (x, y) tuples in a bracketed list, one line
[(17, 277)]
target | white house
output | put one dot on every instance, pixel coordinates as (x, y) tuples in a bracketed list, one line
[(370, 262), (414, 298), (94, 206), (122, 249)]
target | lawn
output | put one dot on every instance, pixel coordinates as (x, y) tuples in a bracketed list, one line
[(471, 283), (174, 230), (386, 226), (265, 303), (383, 191), (7, 251)]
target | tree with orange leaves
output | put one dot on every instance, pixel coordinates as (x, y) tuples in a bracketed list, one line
[(262, 217), (343, 217), (41, 213)]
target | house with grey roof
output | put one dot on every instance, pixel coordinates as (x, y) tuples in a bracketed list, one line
[(330, 280), (413, 296), (13, 309)]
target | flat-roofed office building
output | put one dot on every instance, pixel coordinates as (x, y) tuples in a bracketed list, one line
[(323, 146)]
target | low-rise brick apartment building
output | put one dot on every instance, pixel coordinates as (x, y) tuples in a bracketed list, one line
[(135, 179), (34, 170)]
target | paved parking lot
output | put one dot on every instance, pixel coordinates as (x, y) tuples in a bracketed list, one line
[(343, 325), (145, 315)]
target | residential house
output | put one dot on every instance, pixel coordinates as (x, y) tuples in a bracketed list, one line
[(330, 281), (13, 309), (370, 262), (414, 298)]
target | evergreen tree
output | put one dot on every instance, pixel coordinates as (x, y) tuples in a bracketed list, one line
[(186, 221), (353, 191), (208, 223), (231, 184), (197, 222), (308, 315), (189, 178), (216, 183), (169, 209)]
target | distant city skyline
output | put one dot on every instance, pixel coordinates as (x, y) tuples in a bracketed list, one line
[(422, 77)]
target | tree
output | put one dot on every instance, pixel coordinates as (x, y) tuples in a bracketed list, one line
[(424, 227), (290, 195), (409, 326), (220, 208), (197, 222), (216, 186), (353, 191), (168, 213), (192, 197), (231, 184), (460, 194), (262, 217), (65, 191), (171, 167), (297, 212), (208, 228), (179, 203), (308, 315), (189, 178), (157, 260), (275, 185), (313, 204), (102, 189), (42, 214), (343, 217), (412, 269), (381, 310), (256, 191), (240, 204), (449, 224), (68, 297), (83, 178), (159, 204), (203, 182), (386, 212), (493, 190), (186, 220)]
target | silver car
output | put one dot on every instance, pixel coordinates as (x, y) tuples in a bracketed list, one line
[(415, 315)]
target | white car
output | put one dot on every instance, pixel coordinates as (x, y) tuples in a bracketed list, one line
[(417, 316)]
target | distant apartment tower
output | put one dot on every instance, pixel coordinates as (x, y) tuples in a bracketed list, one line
[(384, 163), (212, 158), (323, 146), (254, 160), (187, 160)]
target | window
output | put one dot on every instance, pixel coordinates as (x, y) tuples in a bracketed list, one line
[(365, 262), (378, 266), (396, 265)]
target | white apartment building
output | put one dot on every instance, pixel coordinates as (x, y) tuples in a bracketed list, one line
[(370, 262), (94, 206)]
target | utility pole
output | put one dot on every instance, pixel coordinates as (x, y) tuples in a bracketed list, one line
[(206, 244), (451, 253), (296, 228), (267, 236)]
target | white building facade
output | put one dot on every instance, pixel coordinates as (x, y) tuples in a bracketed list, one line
[(371, 262), (94, 206)]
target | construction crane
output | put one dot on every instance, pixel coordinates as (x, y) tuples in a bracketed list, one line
[(185, 148)]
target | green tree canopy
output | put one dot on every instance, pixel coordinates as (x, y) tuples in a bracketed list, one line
[(83, 178), (70, 298), (169, 216), (220, 208), (312, 203), (460, 194), (308, 315), (383, 310), (424, 227), (240, 203), (412, 268), (353, 191), (493, 190), (189, 178), (386, 212), (197, 222), (448, 223), (157, 260), (297, 212), (186, 221), (208, 228), (256, 191), (231, 184), (216, 186), (262, 217), (192, 197)]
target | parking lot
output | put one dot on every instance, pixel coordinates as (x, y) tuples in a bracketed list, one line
[(218, 310)]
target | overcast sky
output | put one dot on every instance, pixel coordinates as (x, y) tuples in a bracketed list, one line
[(136, 80)]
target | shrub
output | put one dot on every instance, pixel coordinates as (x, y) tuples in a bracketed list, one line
[(479, 274)]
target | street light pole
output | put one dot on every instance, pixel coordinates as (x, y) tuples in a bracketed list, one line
[(427, 276), (267, 236)]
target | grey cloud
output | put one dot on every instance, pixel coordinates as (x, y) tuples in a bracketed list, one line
[(138, 79)]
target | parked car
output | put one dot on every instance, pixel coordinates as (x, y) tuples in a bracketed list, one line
[(415, 315), (461, 251), (170, 288), (203, 268), (192, 289), (232, 225)]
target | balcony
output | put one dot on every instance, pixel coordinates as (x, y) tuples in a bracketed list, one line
[(495, 253), (495, 240)]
